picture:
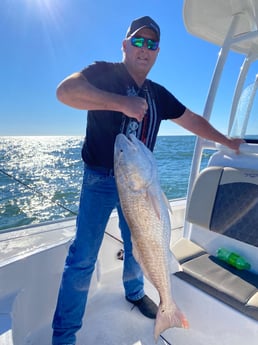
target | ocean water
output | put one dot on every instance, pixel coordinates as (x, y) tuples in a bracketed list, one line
[(40, 177)]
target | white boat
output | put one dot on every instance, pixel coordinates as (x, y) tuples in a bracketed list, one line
[(220, 302)]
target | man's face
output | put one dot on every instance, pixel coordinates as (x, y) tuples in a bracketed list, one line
[(140, 60)]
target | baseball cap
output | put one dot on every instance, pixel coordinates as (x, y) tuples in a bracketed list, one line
[(143, 22)]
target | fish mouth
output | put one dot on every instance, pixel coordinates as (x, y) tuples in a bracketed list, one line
[(132, 140), (131, 137), (122, 139)]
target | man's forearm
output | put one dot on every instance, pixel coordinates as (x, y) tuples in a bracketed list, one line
[(78, 93)]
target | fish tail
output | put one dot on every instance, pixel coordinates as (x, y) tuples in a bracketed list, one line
[(168, 318)]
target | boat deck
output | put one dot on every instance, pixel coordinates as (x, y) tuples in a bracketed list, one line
[(109, 318)]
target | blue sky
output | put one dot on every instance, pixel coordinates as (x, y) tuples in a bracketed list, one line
[(43, 41)]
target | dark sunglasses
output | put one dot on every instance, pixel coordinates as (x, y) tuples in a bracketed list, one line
[(140, 41)]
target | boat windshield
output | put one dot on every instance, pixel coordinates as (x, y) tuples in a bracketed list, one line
[(245, 124)]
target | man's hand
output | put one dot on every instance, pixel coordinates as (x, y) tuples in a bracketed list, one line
[(234, 144), (135, 107)]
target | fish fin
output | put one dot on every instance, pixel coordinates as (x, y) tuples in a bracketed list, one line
[(167, 202), (152, 198), (168, 318), (174, 265)]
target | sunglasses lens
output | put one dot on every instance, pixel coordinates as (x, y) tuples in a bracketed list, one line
[(152, 45), (139, 43)]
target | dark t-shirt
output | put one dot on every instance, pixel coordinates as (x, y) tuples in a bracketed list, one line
[(103, 126)]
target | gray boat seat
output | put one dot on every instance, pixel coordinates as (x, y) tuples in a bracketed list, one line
[(223, 200)]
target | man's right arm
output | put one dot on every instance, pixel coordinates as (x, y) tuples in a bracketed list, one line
[(77, 92)]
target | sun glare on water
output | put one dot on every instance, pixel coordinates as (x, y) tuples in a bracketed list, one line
[(37, 175)]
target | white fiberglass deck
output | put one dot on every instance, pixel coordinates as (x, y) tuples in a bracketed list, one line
[(28, 294)]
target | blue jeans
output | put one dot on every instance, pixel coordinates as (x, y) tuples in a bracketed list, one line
[(99, 197)]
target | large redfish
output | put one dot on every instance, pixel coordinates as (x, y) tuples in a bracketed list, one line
[(146, 211)]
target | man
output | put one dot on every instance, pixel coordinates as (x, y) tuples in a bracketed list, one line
[(118, 98)]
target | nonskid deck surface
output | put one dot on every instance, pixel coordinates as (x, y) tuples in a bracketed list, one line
[(111, 320)]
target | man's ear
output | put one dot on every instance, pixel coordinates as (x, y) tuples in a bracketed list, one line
[(124, 45)]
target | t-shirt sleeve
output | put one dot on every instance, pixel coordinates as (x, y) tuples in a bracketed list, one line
[(98, 74), (170, 107), (107, 76)]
